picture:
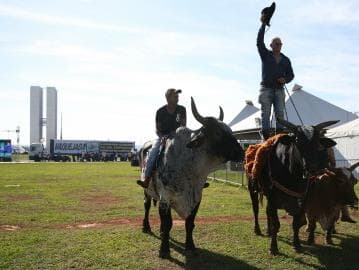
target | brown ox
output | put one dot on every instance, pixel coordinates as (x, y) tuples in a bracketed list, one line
[(328, 194)]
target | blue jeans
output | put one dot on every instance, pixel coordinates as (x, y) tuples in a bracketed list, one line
[(152, 157), (267, 97)]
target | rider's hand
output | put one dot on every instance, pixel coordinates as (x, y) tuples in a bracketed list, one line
[(281, 80), (263, 18)]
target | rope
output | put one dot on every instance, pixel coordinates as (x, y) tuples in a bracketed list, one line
[(288, 191), (291, 100)]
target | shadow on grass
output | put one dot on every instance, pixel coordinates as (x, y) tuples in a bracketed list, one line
[(203, 259), (339, 256)]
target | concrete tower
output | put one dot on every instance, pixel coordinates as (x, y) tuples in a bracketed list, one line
[(35, 114), (51, 115)]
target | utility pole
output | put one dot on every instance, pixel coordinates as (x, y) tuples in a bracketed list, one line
[(61, 128)]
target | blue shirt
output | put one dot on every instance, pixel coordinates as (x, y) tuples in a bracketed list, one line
[(271, 70)]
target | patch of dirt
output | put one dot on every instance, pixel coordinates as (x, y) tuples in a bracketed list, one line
[(9, 227), (154, 220), (20, 197), (137, 221), (94, 200)]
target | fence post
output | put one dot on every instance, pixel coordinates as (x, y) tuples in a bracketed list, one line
[(226, 172), (242, 175)]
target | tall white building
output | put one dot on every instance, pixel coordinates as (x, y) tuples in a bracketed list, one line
[(35, 114), (37, 120), (51, 115)]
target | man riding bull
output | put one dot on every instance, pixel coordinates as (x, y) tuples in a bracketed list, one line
[(168, 118), (276, 72)]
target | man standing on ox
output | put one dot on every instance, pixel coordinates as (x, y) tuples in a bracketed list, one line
[(168, 118), (276, 72)]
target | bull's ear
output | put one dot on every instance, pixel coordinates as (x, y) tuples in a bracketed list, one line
[(354, 166), (196, 140), (327, 143), (286, 139)]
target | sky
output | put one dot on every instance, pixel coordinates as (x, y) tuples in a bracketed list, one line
[(112, 61)]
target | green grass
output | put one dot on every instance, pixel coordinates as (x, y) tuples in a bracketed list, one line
[(44, 198)]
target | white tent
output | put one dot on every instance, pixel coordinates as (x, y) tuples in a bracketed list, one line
[(247, 110), (312, 110), (347, 138)]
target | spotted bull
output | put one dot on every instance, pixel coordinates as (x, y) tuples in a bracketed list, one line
[(188, 157)]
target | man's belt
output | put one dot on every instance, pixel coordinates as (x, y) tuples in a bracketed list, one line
[(272, 85)]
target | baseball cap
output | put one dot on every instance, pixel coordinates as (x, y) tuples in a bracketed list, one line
[(171, 91)]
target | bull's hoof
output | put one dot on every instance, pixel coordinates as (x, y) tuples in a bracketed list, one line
[(191, 253), (329, 241), (190, 247), (348, 219), (310, 241), (298, 248), (164, 254), (257, 231), (147, 230), (274, 251)]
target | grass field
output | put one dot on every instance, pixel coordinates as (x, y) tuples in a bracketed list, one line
[(88, 216)]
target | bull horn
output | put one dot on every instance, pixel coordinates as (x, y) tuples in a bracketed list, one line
[(221, 114), (354, 166), (196, 114), (287, 124), (325, 124)]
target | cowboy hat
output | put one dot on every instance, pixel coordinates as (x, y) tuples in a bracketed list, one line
[(268, 13)]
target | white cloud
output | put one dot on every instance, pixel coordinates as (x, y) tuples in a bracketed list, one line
[(327, 12), (25, 14)]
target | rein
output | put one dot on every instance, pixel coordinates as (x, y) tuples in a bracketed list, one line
[(283, 188), (288, 191)]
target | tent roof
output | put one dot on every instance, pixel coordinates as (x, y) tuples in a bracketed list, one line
[(349, 129), (312, 110), (247, 110)]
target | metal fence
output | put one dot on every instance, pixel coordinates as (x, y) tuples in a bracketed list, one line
[(233, 172)]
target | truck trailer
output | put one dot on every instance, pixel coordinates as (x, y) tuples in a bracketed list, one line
[(81, 150)]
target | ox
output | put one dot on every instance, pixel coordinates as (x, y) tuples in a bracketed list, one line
[(328, 193), (182, 170), (283, 177)]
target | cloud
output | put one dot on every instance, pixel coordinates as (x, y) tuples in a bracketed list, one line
[(24, 14), (326, 12)]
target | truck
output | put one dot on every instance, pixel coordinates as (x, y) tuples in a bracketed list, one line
[(81, 150), (5, 150)]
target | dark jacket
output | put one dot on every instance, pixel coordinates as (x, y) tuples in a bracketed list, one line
[(271, 70)]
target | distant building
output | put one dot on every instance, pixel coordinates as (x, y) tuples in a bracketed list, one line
[(37, 120), (35, 114), (51, 115)]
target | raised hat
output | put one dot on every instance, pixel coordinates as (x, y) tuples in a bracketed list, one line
[(268, 12)]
